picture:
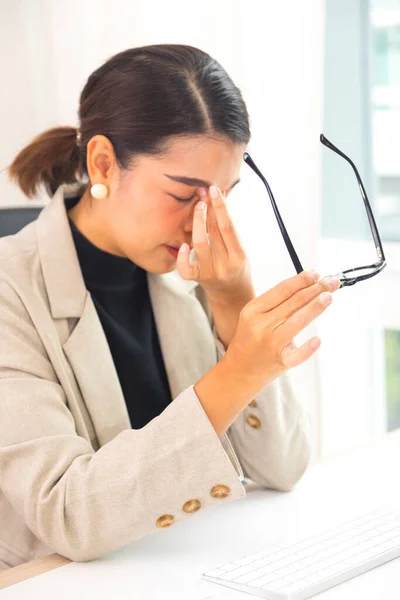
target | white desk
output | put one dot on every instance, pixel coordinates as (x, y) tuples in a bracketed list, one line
[(168, 565)]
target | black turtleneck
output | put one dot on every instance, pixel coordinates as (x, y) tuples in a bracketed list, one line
[(120, 294)]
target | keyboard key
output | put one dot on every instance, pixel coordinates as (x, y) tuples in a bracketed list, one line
[(241, 571), (392, 544), (260, 581), (215, 572), (394, 533), (231, 575), (288, 589), (294, 577), (296, 587), (385, 546), (274, 586), (310, 570), (285, 571), (248, 577), (316, 577)]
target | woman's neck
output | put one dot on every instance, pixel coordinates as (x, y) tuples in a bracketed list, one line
[(89, 217)]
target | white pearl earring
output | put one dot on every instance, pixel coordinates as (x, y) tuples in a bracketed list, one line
[(99, 191)]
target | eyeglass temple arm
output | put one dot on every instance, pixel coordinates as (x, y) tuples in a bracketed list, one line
[(371, 219), (295, 259)]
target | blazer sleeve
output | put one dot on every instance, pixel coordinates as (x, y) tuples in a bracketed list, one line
[(84, 503), (272, 435)]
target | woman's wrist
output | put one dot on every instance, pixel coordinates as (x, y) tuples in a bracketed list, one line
[(224, 392)]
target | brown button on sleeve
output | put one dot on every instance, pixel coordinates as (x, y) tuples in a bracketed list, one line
[(253, 404), (220, 491), (253, 421), (191, 506), (165, 521)]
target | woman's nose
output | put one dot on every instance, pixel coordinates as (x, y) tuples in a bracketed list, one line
[(188, 225)]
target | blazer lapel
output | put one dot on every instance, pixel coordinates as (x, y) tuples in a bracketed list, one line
[(185, 335), (90, 357), (86, 348)]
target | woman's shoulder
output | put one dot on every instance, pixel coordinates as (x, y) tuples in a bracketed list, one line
[(18, 253)]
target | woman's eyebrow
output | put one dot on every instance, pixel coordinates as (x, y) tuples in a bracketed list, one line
[(193, 181)]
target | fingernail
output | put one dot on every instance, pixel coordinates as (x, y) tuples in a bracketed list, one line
[(202, 192), (315, 343), (325, 298), (334, 281), (313, 274), (213, 191), (200, 205)]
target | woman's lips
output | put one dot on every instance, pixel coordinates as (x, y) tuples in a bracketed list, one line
[(173, 251)]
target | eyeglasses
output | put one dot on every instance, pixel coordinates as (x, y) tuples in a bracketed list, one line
[(349, 276)]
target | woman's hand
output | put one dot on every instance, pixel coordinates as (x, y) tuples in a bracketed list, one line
[(221, 266), (262, 347)]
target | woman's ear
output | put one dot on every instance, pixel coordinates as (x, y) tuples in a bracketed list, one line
[(100, 159)]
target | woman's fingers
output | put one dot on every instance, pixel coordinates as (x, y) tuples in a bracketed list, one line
[(283, 291), (212, 222), (292, 356), (199, 232), (182, 262), (200, 243), (303, 317), (304, 297), (224, 222), (219, 251)]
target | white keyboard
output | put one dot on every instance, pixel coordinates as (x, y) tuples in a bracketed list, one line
[(317, 563)]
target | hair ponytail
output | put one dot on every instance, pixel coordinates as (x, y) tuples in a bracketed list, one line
[(51, 159)]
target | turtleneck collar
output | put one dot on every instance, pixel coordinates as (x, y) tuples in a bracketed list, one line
[(101, 268)]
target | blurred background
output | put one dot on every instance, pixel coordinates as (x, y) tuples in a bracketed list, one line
[(304, 67)]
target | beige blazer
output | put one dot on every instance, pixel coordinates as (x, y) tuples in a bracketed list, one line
[(75, 478)]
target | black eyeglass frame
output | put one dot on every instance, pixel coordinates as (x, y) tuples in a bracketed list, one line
[(345, 280)]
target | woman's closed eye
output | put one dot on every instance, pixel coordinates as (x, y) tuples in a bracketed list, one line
[(184, 199), (225, 193)]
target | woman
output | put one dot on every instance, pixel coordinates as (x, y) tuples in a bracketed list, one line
[(138, 386)]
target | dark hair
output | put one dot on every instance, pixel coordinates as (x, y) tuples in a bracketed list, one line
[(137, 99)]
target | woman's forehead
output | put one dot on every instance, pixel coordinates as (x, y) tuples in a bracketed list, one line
[(201, 161)]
